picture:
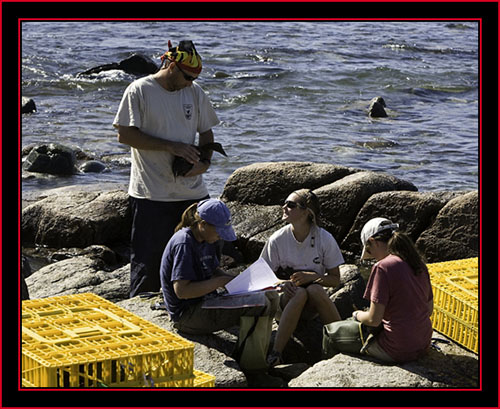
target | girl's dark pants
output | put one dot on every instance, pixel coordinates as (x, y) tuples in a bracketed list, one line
[(153, 225)]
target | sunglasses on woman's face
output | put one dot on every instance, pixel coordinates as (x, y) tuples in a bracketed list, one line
[(293, 205)]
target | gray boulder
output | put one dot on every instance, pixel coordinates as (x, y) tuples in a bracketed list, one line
[(269, 183), (80, 275), (455, 232), (53, 158), (342, 200), (436, 370), (348, 296), (253, 224), (77, 219), (414, 211)]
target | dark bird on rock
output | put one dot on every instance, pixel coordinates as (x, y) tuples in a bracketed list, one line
[(181, 166)]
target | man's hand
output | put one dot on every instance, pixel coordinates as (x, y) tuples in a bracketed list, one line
[(186, 151), (134, 137), (198, 168)]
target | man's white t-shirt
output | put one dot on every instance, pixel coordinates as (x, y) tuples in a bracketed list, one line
[(176, 116), (318, 252)]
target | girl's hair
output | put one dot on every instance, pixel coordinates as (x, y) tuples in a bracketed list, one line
[(400, 244), (189, 218), (311, 202)]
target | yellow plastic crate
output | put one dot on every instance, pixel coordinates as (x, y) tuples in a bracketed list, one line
[(198, 380), (203, 380), (456, 306), (83, 340)]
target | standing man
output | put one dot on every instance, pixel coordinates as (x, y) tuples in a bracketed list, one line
[(158, 117)]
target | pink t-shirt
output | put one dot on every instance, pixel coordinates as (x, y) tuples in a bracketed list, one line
[(407, 326)]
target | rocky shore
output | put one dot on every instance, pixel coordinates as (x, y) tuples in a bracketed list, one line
[(82, 236)]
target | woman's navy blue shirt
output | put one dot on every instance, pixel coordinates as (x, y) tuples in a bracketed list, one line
[(185, 258)]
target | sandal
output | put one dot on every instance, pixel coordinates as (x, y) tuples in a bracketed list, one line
[(274, 359)]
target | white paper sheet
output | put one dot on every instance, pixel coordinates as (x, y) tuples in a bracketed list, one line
[(256, 277)]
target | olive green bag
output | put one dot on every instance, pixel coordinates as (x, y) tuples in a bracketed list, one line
[(253, 343), (344, 336)]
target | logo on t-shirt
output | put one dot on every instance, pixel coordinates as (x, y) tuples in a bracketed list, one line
[(188, 111)]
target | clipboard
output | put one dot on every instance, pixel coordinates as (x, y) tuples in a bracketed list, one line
[(252, 299)]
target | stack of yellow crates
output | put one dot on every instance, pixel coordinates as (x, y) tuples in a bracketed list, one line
[(456, 306), (85, 341)]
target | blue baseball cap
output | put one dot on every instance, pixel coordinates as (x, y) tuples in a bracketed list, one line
[(216, 213)]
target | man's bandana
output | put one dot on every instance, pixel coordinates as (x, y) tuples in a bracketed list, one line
[(184, 55)]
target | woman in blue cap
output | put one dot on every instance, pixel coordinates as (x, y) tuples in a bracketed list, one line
[(190, 270)]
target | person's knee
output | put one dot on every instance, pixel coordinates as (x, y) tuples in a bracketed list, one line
[(316, 291), (273, 296), (301, 292), (272, 303), (301, 296)]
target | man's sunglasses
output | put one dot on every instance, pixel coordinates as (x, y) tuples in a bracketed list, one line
[(293, 205), (186, 76)]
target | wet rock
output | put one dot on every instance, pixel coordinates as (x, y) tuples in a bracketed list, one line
[(136, 64), (53, 158), (27, 105), (376, 108), (92, 166), (378, 143)]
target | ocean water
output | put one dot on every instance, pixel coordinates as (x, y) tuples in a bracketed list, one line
[(284, 91)]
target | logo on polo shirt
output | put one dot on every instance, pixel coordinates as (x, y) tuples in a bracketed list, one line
[(188, 111)]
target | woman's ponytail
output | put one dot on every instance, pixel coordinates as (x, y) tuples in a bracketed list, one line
[(189, 218), (402, 246)]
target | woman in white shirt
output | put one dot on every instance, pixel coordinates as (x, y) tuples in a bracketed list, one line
[(306, 258)]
